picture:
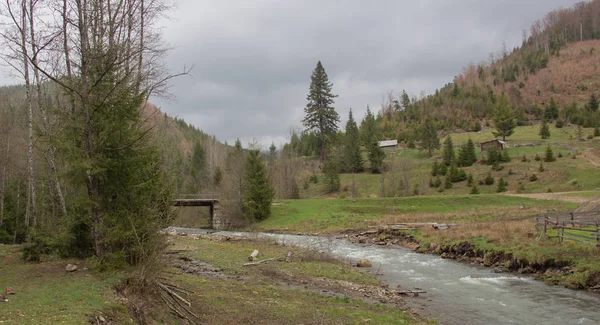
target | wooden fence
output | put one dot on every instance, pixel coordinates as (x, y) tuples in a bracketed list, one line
[(581, 227)]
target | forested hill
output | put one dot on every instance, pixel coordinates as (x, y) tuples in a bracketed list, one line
[(556, 69)]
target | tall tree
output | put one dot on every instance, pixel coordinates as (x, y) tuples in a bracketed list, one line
[(504, 118), (353, 160), (467, 156), (544, 129), (429, 137), (321, 117), (376, 156), (449, 156), (368, 129), (259, 191)]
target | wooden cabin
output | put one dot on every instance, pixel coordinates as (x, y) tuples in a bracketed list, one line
[(498, 144), (388, 144)]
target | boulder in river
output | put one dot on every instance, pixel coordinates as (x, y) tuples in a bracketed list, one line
[(364, 263)]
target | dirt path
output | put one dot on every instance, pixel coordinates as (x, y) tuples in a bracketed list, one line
[(593, 156), (554, 196)]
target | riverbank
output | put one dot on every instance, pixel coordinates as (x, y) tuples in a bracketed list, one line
[(294, 285), (496, 231)]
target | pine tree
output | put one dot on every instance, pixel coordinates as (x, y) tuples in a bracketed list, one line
[(434, 168), (321, 117), (368, 129), (549, 155), (504, 118), (405, 100), (376, 156), (470, 181), (198, 170), (332, 176), (466, 154), (501, 186), (429, 137), (449, 155), (447, 182), (259, 191), (593, 103), (544, 129), (551, 110), (353, 157)]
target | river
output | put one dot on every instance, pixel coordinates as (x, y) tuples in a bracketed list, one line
[(458, 293)]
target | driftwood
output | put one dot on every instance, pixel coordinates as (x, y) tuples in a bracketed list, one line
[(253, 256), (287, 258), (172, 296), (414, 293), (410, 226)]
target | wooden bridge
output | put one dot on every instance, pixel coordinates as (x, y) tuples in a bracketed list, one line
[(216, 220)]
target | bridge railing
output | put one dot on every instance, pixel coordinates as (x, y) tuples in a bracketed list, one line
[(198, 196)]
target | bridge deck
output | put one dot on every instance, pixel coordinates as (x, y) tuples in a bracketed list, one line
[(195, 202)]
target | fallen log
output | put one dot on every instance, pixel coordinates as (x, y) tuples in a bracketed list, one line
[(265, 261), (414, 293), (253, 256)]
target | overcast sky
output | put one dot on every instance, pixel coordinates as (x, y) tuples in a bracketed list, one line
[(253, 59)]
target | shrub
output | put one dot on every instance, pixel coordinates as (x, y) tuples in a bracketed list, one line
[(497, 167), (313, 178), (541, 168), (435, 168), (537, 157), (560, 155), (431, 183), (501, 185), (524, 158), (533, 178), (470, 182), (438, 182), (37, 246), (597, 131), (590, 136), (520, 188), (448, 183), (549, 155), (442, 170), (559, 123), (475, 190), (489, 180)]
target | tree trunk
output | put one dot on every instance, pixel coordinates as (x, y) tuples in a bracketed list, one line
[(30, 206), (45, 121)]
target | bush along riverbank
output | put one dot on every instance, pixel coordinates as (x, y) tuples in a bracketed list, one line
[(571, 265)]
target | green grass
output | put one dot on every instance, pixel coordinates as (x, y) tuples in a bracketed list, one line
[(326, 215), (46, 294), (229, 302), (524, 134), (306, 263), (253, 295)]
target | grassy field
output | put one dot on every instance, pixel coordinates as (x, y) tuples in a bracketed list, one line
[(47, 294), (490, 222), (280, 292), (529, 134), (330, 215), (409, 170)]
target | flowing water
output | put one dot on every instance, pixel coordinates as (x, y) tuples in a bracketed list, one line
[(458, 293)]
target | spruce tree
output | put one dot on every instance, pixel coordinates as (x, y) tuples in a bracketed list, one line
[(551, 110), (449, 156), (259, 191), (376, 156), (593, 103), (544, 129), (368, 129), (549, 155), (434, 168), (475, 190), (332, 176), (470, 155), (353, 157), (504, 118), (321, 117), (429, 137)]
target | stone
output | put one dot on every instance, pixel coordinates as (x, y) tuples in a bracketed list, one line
[(362, 240), (71, 268), (364, 263)]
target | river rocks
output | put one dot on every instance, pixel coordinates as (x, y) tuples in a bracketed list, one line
[(71, 268), (364, 263), (362, 240)]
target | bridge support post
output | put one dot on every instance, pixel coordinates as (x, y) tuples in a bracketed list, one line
[(216, 218)]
